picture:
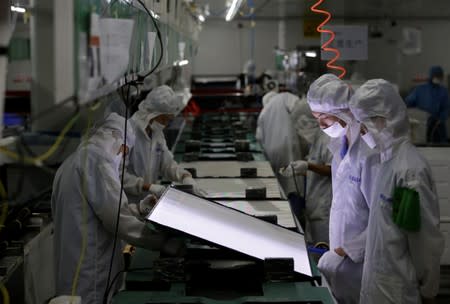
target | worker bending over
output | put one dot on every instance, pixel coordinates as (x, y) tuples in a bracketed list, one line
[(85, 204), (150, 158)]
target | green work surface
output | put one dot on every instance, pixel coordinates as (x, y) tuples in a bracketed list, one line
[(254, 147), (273, 292), (256, 157), (188, 136)]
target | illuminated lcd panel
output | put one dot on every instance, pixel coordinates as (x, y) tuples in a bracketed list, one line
[(230, 228)]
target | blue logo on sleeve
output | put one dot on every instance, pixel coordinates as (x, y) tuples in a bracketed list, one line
[(355, 179), (385, 198)]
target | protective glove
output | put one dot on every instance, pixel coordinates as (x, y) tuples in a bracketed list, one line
[(197, 190), (157, 190), (299, 167), (146, 205)]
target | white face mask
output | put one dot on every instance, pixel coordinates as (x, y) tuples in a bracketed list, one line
[(157, 127), (436, 81), (370, 141), (335, 130)]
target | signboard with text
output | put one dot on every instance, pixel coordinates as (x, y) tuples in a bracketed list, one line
[(350, 40)]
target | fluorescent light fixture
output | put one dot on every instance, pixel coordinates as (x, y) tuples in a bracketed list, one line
[(234, 7), (230, 228), (201, 18), (183, 62), (312, 54), (18, 9), (154, 15)]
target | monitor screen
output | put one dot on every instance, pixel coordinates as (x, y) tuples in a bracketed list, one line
[(230, 228)]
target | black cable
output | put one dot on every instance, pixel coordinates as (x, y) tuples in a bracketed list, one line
[(296, 188), (21, 180), (4, 51), (108, 290), (295, 180), (110, 5), (105, 297), (158, 33)]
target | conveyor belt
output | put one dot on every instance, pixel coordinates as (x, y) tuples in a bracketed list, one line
[(280, 208), (229, 168), (234, 188)]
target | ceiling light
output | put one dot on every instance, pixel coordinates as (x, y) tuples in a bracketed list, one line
[(201, 18), (312, 54), (154, 15), (234, 7), (18, 9)]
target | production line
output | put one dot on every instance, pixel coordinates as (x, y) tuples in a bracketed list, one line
[(218, 137), (227, 273), (224, 152)]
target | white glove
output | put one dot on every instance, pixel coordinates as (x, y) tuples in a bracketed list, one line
[(146, 205), (188, 180), (298, 167), (157, 190), (197, 190)]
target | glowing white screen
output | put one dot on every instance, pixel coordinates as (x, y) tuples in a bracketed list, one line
[(230, 228)]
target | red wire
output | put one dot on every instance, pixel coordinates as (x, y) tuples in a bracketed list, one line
[(320, 29)]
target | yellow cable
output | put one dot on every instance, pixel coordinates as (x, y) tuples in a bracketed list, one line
[(58, 141), (3, 290), (95, 106), (16, 156), (4, 205), (5, 293), (50, 151), (83, 213)]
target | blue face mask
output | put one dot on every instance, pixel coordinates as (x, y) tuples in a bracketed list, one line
[(344, 148)]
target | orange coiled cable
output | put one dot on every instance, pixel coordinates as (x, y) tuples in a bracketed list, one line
[(320, 29)]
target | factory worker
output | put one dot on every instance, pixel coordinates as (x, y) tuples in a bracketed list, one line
[(277, 136), (85, 202), (404, 243), (432, 97), (328, 99), (150, 158), (267, 98), (265, 101), (317, 168)]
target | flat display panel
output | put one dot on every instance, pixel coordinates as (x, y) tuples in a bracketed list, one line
[(229, 168), (230, 228)]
